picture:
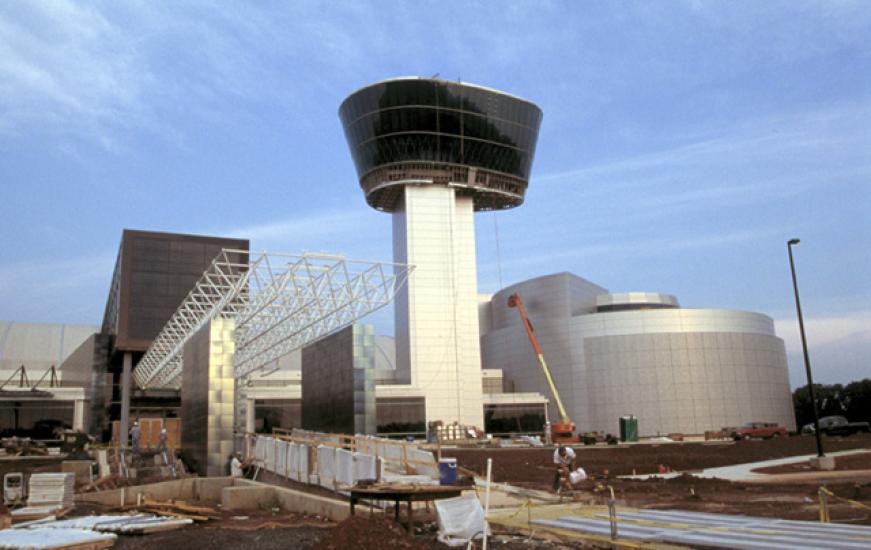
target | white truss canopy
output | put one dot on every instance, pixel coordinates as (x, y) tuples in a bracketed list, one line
[(279, 302)]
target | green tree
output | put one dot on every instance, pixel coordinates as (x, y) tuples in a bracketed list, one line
[(852, 401), (858, 397)]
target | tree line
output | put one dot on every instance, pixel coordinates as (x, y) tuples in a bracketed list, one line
[(852, 401)]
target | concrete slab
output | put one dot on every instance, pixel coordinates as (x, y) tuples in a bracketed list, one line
[(743, 472)]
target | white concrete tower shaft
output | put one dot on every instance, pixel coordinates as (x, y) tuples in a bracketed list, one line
[(432, 152), (437, 341)]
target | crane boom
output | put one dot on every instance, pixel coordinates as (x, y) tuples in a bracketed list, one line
[(515, 301)]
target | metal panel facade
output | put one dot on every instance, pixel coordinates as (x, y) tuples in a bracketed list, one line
[(154, 272), (338, 389)]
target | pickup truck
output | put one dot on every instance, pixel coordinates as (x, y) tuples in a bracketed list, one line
[(838, 425), (762, 430)]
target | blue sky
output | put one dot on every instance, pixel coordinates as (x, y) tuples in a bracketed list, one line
[(683, 143)]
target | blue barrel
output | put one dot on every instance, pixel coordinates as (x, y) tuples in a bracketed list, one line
[(447, 471)]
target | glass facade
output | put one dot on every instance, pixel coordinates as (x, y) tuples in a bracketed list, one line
[(401, 416), (514, 419), (439, 126)]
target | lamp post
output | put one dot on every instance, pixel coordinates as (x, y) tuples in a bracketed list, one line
[(807, 363)]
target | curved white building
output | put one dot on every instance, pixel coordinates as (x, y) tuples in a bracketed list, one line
[(677, 370)]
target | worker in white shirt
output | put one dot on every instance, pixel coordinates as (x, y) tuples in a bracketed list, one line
[(236, 466), (564, 458)]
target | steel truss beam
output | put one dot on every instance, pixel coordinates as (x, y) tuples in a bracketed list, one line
[(279, 303)]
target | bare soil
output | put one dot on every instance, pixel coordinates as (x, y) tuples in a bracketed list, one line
[(533, 468), (376, 532), (535, 465), (262, 530)]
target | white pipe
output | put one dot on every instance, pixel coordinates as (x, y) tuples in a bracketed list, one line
[(487, 500)]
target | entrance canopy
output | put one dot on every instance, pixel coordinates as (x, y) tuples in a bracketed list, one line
[(279, 302)]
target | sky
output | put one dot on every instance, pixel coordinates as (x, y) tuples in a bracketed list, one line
[(683, 144)]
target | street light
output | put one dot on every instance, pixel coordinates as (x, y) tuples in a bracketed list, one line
[(807, 362)]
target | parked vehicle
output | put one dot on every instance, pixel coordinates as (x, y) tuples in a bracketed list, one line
[(761, 430), (837, 425)]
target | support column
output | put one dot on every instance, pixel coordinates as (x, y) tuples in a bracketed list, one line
[(437, 333), (126, 371), (79, 415), (250, 416)]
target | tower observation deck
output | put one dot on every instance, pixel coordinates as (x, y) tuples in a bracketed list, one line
[(432, 152), (420, 130)]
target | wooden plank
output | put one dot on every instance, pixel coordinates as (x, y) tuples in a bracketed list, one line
[(173, 432)]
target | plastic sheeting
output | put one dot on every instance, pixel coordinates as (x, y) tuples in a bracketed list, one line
[(281, 458), (260, 449), (344, 468), (460, 520), (327, 467), (365, 467), (115, 523), (293, 461), (423, 462), (303, 465), (269, 459), (46, 537)]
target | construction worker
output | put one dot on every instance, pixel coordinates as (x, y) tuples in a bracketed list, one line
[(135, 433), (236, 465), (161, 441), (564, 458)]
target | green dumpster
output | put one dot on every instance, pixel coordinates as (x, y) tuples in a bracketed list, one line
[(628, 428)]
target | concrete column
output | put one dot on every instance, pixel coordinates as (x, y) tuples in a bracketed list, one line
[(79, 415), (126, 372), (250, 416), (436, 311)]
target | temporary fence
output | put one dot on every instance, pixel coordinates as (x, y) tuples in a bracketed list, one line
[(338, 462)]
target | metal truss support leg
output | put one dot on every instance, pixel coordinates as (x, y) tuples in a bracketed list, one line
[(127, 368)]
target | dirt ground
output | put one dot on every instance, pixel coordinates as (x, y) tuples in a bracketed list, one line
[(534, 465), (532, 468), (261, 530)]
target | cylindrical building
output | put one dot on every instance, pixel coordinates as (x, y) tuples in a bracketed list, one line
[(433, 152)]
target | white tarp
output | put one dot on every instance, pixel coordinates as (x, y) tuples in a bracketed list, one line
[(293, 461), (269, 460), (344, 468), (281, 458), (460, 519), (364, 467), (327, 466), (302, 464), (260, 449), (423, 463)]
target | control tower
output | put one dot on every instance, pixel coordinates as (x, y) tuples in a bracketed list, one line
[(432, 152)]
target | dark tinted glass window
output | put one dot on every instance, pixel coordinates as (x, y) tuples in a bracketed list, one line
[(428, 120)]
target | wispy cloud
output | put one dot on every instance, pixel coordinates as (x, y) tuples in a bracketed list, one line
[(795, 139), (826, 330), (637, 249), (63, 290)]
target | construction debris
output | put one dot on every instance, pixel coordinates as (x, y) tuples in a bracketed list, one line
[(24, 446), (180, 509), (47, 538), (53, 489), (137, 524)]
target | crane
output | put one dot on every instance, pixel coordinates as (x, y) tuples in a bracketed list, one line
[(562, 431)]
